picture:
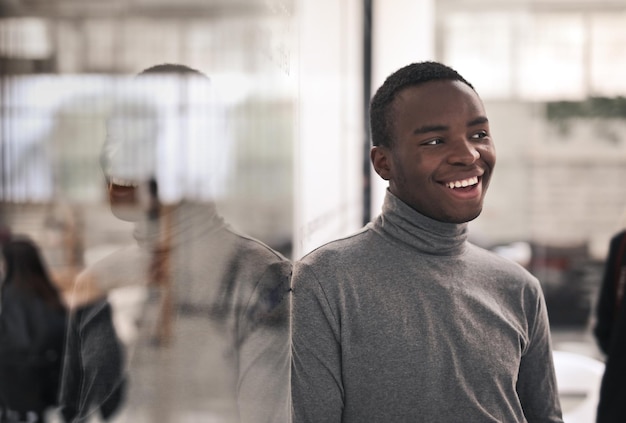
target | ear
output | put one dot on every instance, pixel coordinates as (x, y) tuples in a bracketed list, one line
[(381, 160)]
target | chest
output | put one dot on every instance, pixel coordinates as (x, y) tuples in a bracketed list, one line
[(447, 321)]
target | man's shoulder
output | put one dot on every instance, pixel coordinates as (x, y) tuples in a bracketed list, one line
[(501, 267), (618, 238), (352, 247), (251, 248), (253, 260)]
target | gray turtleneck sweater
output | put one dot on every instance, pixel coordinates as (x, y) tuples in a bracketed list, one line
[(406, 321)]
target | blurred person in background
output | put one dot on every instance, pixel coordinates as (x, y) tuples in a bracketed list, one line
[(32, 333), (406, 320), (610, 333), (212, 340)]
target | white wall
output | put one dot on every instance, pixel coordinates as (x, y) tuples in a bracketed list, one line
[(328, 73), (404, 32)]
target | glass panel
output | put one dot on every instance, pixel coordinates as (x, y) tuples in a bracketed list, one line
[(608, 54)]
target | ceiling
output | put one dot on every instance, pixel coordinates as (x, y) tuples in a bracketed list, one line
[(169, 8)]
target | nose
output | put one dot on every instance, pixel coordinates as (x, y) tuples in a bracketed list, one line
[(463, 152)]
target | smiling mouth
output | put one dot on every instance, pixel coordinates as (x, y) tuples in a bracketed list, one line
[(122, 191), (463, 183), (126, 183)]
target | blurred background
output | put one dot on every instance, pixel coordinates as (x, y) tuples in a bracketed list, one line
[(294, 77)]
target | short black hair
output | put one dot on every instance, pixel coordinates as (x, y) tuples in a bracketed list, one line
[(146, 110), (381, 120), (171, 68)]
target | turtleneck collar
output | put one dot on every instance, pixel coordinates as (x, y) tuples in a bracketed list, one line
[(186, 222), (416, 231)]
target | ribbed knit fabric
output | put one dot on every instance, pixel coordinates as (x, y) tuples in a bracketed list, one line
[(406, 321)]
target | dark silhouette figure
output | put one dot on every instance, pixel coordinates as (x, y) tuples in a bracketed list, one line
[(32, 331), (610, 332)]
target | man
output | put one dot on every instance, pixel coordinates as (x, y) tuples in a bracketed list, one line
[(610, 332), (406, 321), (213, 335)]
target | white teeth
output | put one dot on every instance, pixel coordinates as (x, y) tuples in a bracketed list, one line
[(123, 182), (463, 183)]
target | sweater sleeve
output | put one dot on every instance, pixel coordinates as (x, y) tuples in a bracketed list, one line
[(263, 349), (317, 388), (536, 384), (93, 374)]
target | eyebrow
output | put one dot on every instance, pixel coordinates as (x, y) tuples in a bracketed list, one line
[(478, 121), (436, 128), (430, 128)]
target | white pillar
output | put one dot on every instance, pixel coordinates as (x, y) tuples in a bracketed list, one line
[(404, 32), (329, 129)]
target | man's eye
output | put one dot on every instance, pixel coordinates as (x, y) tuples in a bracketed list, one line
[(479, 135), (434, 141)]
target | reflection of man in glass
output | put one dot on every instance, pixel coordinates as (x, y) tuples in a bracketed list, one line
[(212, 340)]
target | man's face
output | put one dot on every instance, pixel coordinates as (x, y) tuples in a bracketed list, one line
[(128, 162), (442, 155)]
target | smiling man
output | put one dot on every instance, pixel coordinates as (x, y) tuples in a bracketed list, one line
[(406, 321)]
